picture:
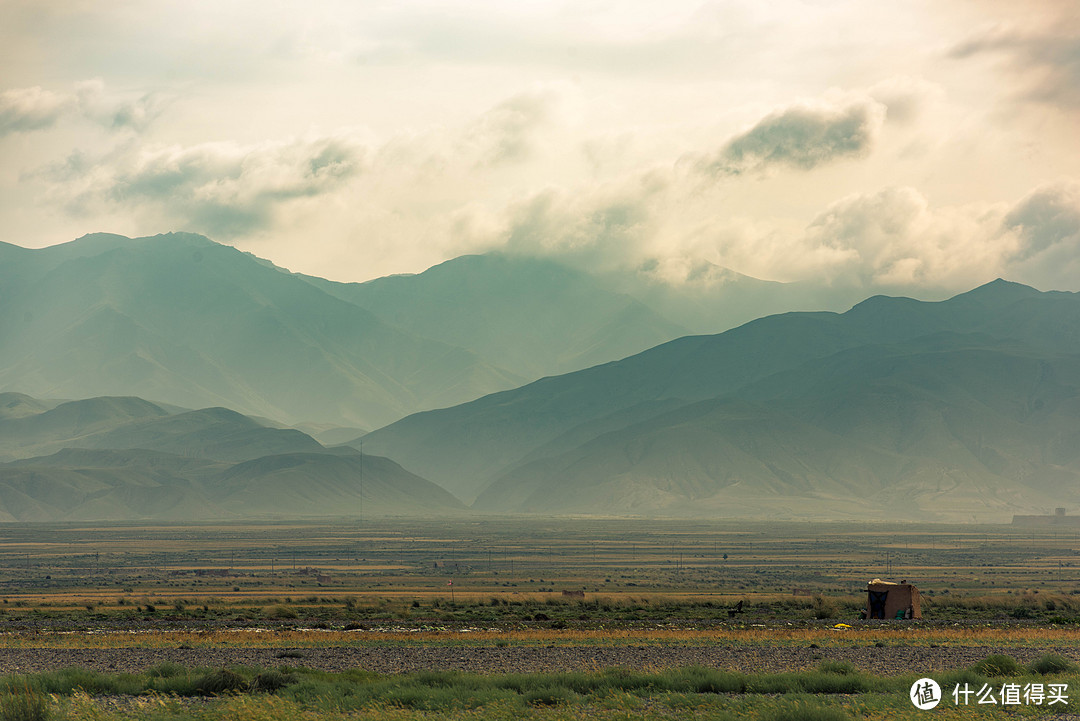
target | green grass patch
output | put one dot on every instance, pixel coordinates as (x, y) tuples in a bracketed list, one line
[(998, 665), (833, 691)]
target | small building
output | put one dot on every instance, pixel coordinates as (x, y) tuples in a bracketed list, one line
[(885, 599)]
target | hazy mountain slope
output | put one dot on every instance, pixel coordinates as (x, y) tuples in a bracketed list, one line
[(132, 423), (968, 400), (183, 320), (106, 485), (19, 405), (943, 428), (531, 316), (48, 429), (216, 433), (464, 448), (703, 456), (139, 484), (321, 484), (710, 299)]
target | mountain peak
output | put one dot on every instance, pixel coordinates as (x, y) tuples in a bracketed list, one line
[(995, 294)]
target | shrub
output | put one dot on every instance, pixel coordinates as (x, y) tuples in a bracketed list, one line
[(697, 679), (166, 669), (998, 665), (272, 680), (290, 653), (840, 668), (1052, 663), (222, 681), (825, 608), (805, 711), (25, 705), (549, 696)]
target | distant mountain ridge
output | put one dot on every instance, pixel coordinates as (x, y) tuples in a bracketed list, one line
[(177, 318), (127, 458), (180, 319), (897, 408), (641, 434), (530, 316)]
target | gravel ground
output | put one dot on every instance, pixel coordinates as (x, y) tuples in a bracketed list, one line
[(492, 659)]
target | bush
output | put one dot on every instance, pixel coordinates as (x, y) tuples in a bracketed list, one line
[(805, 711), (283, 612), (549, 696), (998, 665), (272, 680), (698, 679), (24, 705), (825, 608), (1052, 663), (221, 681), (840, 668), (166, 669)]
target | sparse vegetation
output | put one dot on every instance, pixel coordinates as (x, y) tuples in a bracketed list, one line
[(780, 586), (832, 691), (25, 704), (998, 665)]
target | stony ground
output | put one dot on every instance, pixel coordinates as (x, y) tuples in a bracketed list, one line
[(494, 659)]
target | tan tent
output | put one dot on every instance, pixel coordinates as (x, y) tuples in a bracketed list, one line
[(892, 600)]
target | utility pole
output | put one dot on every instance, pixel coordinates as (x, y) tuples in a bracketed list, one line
[(361, 482)]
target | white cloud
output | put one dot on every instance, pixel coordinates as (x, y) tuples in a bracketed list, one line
[(35, 108), (1047, 222), (899, 240), (507, 132), (222, 189), (28, 109), (597, 230)]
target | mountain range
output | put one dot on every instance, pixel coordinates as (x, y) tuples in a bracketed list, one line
[(179, 319), (529, 316), (517, 385), (122, 458), (896, 408)]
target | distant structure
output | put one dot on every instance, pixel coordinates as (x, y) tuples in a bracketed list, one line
[(1058, 519), (892, 600)]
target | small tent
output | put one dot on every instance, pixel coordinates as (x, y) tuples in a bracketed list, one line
[(892, 600)]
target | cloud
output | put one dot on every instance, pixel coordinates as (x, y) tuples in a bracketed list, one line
[(223, 189), (1047, 222), (893, 240), (802, 136), (1045, 61), (136, 114), (507, 132), (597, 230), (905, 97), (899, 240), (28, 109)]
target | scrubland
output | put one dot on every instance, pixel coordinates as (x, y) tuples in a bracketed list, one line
[(511, 618)]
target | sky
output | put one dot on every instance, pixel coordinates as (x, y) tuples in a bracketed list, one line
[(914, 146)]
